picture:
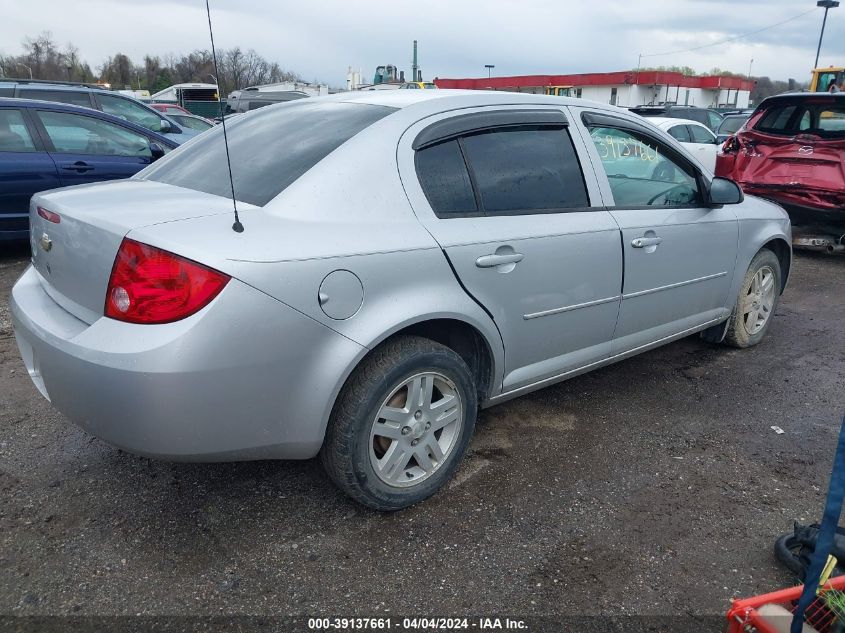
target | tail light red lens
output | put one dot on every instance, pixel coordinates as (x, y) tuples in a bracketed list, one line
[(730, 145), (149, 285), (55, 218)]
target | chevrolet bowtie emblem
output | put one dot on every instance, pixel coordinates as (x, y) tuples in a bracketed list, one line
[(46, 242)]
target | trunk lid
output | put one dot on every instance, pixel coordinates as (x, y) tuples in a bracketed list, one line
[(805, 160), (74, 256)]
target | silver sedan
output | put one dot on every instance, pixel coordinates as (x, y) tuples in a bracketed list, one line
[(406, 258)]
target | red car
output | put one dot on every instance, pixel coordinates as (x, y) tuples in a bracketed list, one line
[(169, 108), (791, 151)]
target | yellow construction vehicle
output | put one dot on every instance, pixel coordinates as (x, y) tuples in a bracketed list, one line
[(821, 78)]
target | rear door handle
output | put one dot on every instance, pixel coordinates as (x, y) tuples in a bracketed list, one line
[(79, 166), (642, 242), (493, 260)]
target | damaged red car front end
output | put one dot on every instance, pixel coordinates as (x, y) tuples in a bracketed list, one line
[(791, 151)]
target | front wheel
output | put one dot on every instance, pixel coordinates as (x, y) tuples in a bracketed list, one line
[(401, 425), (757, 301)]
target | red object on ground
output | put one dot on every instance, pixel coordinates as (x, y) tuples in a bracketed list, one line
[(743, 616), (170, 108), (792, 151)]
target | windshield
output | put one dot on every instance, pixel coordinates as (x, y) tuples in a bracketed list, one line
[(269, 148)]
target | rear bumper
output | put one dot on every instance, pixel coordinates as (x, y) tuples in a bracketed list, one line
[(245, 378)]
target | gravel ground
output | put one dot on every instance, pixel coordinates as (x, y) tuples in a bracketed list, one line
[(653, 487)]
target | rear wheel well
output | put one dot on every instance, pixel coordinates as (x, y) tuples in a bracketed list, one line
[(784, 254), (464, 340)]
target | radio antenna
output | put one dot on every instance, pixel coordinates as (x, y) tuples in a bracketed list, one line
[(237, 227)]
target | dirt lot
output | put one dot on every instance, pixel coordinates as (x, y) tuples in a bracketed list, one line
[(655, 486)]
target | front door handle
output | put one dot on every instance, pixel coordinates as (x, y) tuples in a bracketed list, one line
[(642, 242), (79, 166), (493, 260)]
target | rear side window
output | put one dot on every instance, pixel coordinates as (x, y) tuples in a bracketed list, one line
[(445, 180), (526, 169), (269, 149), (14, 137), (7, 91), (59, 96)]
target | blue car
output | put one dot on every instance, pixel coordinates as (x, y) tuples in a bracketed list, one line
[(98, 98), (44, 145)]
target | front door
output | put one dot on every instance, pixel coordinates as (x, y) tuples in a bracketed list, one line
[(90, 149), (505, 196), (679, 253)]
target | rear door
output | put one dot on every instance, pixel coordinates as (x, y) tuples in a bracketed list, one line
[(90, 149), (504, 194), (679, 254), (25, 169)]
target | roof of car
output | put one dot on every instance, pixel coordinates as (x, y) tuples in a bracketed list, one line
[(406, 98), (791, 96), (663, 120), (50, 84)]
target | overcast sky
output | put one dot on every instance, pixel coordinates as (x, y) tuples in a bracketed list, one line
[(320, 39)]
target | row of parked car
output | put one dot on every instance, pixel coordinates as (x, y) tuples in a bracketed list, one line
[(55, 135)]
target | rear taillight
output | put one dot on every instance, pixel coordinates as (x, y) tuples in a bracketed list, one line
[(149, 285), (730, 145), (55, 218)]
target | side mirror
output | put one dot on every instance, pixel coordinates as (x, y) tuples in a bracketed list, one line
[(724, 191), (165, 126), (156, 151)]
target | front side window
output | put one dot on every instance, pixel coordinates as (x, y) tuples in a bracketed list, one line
[(269, 149), (641, 173), (130, 111), (680, 133), (701, 135), (80, 134), (14, 137)]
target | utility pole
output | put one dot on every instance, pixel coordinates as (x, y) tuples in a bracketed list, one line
[(414, 67), (827, 4)]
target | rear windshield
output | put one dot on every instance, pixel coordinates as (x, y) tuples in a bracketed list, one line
[(790, 119), (269, 149)]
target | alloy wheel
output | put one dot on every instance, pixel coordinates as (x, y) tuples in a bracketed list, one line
[(416, 429)]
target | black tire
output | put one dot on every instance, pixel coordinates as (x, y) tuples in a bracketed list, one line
[(738, 333), (346, 450)]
